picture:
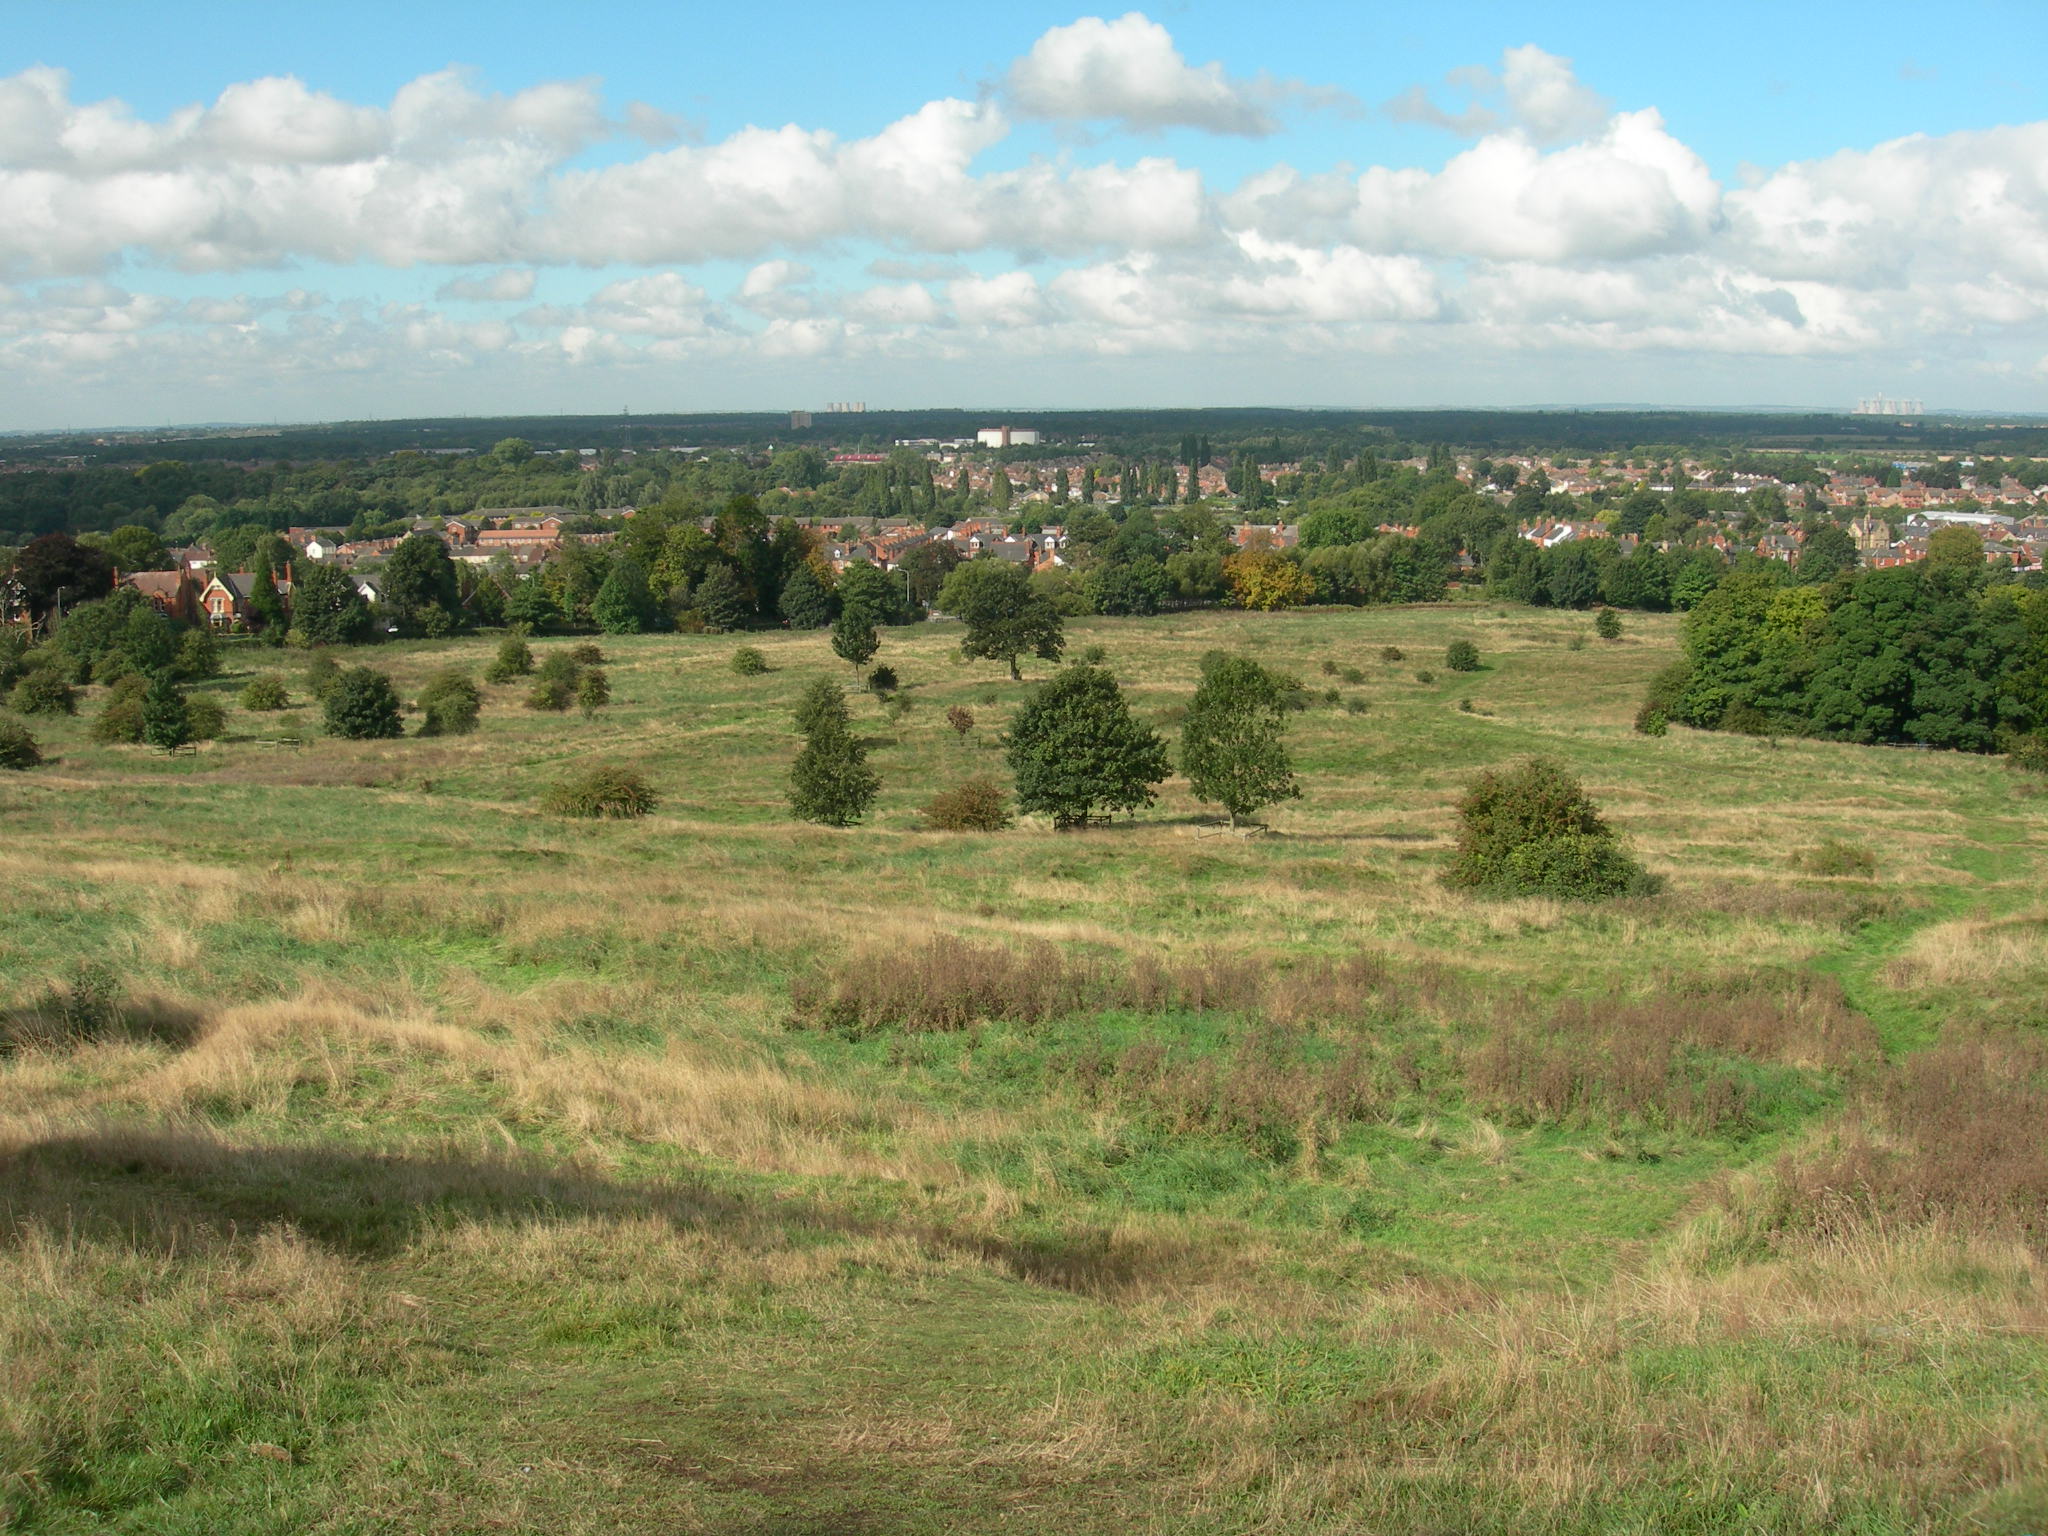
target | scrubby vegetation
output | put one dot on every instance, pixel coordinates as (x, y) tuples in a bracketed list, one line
[(1531, 830), (386, 1144), (979, 804), (606, 792)]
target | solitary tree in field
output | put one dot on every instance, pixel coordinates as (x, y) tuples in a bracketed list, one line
[(1005, 618), (830, 782), (1076, 749), (853, 637), (1231, 749)]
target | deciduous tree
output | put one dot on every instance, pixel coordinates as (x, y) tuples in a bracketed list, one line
[(1076, 749), (1231, 748)]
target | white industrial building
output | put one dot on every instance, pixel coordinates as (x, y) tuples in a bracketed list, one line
[(1007, 437)]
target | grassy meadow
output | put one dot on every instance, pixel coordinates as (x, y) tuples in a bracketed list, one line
[(378, 1154)]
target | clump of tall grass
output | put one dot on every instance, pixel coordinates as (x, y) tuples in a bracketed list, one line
[(949, 984), (1953, 1137), (1674, 1060), (88, 1006), (606, 792)]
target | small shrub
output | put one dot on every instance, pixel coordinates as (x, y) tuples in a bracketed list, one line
[(450, 704), (1576, 642), (1465, 705), (749, 662), (1461, 656), (207, 717), (266, 693), (1531, 830), (961, 719), (1093, 655), (120, 720), (560, 666), (1833, 857), (2028, 753), (898, 705), (551, 693), (18, 749), (1651, 721), (882, 680), (593, 691), (1425, 677), (43, 691), (1333, 697), (321, 673), (361, 705), (1392, 653), (978, 804), (1327, 667), (1356, 706), (514, 659), (1746, 720), (1574, 868), (198, 655), (606, 792), (1607, 624), (1353, 676), (587, 653)]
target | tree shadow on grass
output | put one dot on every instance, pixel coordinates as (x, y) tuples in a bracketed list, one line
[(187, 1193)]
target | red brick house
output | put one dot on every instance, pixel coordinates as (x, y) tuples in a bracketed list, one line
[(174, 594)]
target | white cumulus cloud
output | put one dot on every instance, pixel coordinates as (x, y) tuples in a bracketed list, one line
[(1129, 70)]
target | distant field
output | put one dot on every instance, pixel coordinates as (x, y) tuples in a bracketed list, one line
[(422, 1163)]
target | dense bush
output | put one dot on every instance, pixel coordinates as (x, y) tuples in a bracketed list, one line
[(1392, 653), (606, 792), (1652, 721), (198, 655), (1531, 830), (361, 705), (449, 704), (2029, 752), (883, 680), (514, 659), (166, 717), (206, 717), (961, 719), (266, 693), (749, 662), (18, 749), (978, 804), (322, 672), (1461, 656), (593, 690), (120, 718), (43, 691), (551, 693), (587, 653), (1607, 624)]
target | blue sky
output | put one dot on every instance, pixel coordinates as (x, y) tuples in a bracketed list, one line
[(702, 207)]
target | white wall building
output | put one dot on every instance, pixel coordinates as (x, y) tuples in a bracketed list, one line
[(1007, 437)]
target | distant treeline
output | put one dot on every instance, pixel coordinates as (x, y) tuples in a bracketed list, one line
[(1127, 431)]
